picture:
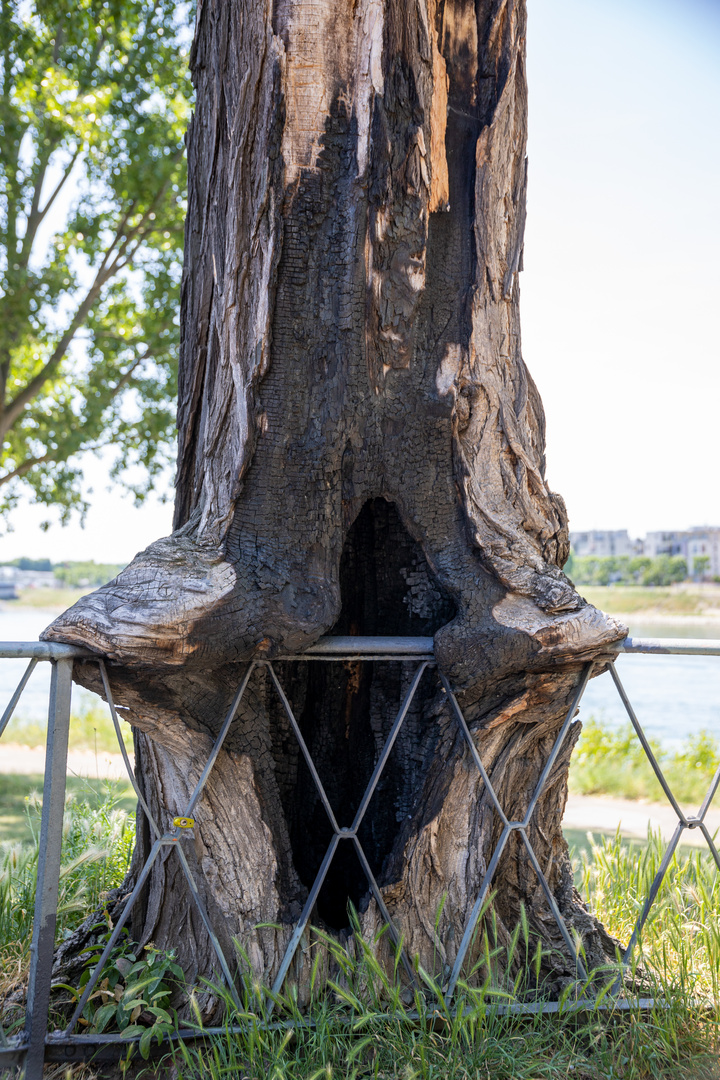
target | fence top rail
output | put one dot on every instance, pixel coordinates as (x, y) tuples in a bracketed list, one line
[(678, 646), (41, 650), (423, 646), (371, 647)]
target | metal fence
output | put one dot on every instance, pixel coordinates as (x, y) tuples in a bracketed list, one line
[(36, 1041)]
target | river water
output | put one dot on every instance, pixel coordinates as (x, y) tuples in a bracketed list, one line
[(24, 624), (673, 696)]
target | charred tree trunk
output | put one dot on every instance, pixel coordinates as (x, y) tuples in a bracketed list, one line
[(361, 452)]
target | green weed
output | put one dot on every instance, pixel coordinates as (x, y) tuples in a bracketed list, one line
[(364, 1019), (91, 728), (134, 994), (19, 827), (611, 761), (680, 943), (97, 847)]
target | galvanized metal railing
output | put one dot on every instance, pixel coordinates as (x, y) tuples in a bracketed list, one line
[(31, 1047)]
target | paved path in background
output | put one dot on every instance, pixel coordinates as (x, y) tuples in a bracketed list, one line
[(31, 759), (602, 813), (584, 812)]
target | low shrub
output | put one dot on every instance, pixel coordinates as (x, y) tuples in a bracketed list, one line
[(626, 570), (611, 761), (134, 995)]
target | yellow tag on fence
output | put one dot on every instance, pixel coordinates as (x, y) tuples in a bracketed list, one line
[(183, 822)]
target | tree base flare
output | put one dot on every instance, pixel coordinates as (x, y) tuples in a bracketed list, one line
[(362, 452)]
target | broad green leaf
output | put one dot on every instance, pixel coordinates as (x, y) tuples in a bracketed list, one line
[(161, 1014), (133, 1031), (104, 1015), (145, 1042)]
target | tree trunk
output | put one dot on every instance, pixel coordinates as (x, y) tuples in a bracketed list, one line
[(361, 452)]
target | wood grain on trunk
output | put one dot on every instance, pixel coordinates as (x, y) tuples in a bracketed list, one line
[(361, 452)]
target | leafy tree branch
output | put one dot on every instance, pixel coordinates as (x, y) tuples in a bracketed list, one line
[(94, 102)]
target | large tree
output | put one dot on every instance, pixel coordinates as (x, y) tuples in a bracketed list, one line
[(94, 101), (361, 452)]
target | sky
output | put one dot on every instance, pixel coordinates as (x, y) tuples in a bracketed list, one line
[(620, 298), (621, 288)]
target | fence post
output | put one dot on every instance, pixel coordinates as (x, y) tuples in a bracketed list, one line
[(48, 870)]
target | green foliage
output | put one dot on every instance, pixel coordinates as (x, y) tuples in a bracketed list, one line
[(611, 761), (97, 847), (664, 570), (690, 769), (94, 102), (30, 564), (365, 1020), (97, 844), (91, 728), (626, 569), (133, 996), (74, 575), (700, 567), (680, 944), (482, 1045), (15, 825)]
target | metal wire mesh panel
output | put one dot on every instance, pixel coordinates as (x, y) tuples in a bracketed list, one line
[(31, 1045)]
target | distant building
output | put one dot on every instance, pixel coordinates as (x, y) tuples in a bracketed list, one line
[(12, 577), (605, 542), (700, 542), (673, 542)]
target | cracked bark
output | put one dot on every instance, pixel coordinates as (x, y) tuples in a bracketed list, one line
[(361, 451)]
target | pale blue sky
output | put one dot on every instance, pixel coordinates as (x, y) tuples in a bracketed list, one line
[(620, 305), (620, 308)]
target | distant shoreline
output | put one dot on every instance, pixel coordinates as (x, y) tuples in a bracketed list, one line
[(662, 619), (688, 603), (53, 601)]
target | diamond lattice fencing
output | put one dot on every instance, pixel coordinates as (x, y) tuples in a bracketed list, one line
[(30, 1047)]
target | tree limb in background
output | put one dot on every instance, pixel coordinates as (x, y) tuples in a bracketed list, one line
[(94, 101)]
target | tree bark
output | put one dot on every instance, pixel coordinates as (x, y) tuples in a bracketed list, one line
[(361, 452)]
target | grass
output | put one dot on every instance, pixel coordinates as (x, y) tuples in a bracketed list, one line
[(352, 1034), (366, 1025), (98, 837), (20, 792), (47, 599), (680, 946), (694, 600), (363, 1025), (611, 761), (91, 728), (480, 1044)]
